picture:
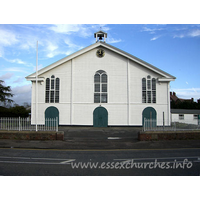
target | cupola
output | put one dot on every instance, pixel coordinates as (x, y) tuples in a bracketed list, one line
[(100, 35)]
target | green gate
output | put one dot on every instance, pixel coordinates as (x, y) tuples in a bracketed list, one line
[(100, 117), (51, 113), (150, 114)]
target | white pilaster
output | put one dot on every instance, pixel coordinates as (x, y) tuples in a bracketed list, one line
[(71, 93), (128, 95)]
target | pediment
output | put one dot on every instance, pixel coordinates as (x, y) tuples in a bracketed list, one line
[(166, 76)]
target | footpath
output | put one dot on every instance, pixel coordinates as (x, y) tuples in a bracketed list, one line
[(98, 144), (89, 138)]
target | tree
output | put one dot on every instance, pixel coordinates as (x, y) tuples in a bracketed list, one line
[(5, 93), (19, 111), (26, 105)]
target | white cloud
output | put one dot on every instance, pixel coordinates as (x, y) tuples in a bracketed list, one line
[(72, 45), (22, 94), (82, 30), (155, 38), (51, 50), (175, 31), (65, 28), (187, 93), (19, 80), (190, 33), (7, 38), (52, 54), (51, 47), (28, 42), (6, 76), (112, 40), (194, 33), (18, 61), (1, 52), (152, 30), (15, 69), (179, 36)]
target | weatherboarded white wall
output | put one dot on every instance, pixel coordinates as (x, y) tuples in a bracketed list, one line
[(188, 119), (124, 105)]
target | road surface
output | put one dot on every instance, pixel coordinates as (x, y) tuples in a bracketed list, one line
[(27, 162)]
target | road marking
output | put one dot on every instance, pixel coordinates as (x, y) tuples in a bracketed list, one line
[(82, 150), (20, 162), (114, 138), (34, 158), (164, 158), (68, 161)]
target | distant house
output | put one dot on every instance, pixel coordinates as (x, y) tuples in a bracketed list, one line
[(185, 116), (176, 100), (178, 103)]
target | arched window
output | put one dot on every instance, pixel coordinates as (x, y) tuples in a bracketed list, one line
[(52, 91), (144, 90), (57, 90), (100, 87), (148, 90), (47, 90), (153, 90)]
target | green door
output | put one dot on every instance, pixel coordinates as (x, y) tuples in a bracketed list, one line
[(100, 117), (198, 119), (150, 114), (51, 113)]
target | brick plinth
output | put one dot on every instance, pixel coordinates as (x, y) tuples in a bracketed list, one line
[(32, 135), (178, 135)]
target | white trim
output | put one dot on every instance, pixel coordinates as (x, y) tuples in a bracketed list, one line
[(71, 93), (33, 79), (167, 77), (128, 95), (168, 102)]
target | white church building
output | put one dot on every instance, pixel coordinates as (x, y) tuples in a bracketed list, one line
[(100, 86)]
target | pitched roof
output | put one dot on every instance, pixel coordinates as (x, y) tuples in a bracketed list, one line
[(166, 76), (184, 111), (174, 98)]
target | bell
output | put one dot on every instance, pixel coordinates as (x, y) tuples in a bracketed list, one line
[(100, 37)]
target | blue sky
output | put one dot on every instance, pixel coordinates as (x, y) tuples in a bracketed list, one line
[(174, 48)]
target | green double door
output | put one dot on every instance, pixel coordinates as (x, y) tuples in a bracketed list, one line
[(100, 117), (150, 114), (51, 113)]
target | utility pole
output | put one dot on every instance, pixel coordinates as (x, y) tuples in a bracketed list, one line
[(36, 90)]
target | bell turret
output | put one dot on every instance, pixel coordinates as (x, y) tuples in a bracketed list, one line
[(100, 35)]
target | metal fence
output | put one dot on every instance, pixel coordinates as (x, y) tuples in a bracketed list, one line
[(156, 125), (21, 124)]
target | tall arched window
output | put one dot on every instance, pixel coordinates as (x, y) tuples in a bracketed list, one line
[(153, 90), (100, 87), (57, 90), (47, 90), (148, 90), (52, 90), (144, 90)]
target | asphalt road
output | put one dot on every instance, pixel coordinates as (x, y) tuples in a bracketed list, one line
[(20, 162)]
